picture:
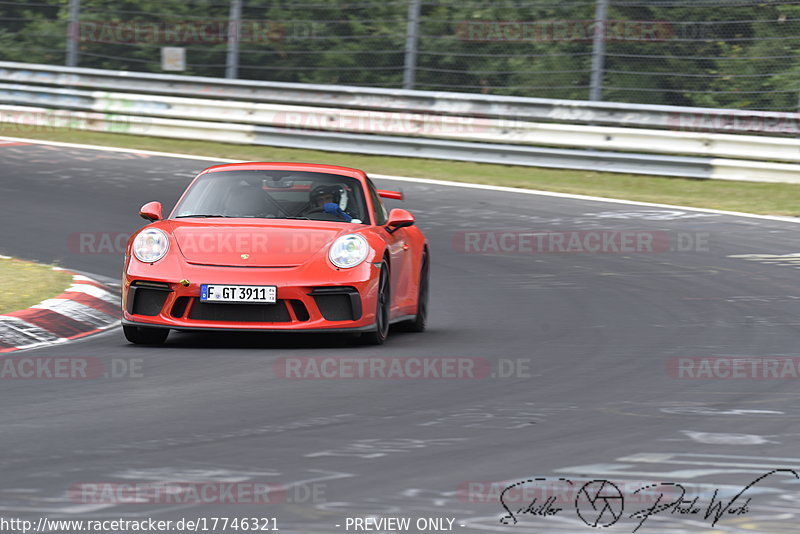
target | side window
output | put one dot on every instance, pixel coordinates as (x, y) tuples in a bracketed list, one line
[(379, 211)]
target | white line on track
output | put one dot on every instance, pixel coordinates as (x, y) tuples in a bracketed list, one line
[(424, 181)]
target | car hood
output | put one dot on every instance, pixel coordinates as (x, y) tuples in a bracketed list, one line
[(244, 243)]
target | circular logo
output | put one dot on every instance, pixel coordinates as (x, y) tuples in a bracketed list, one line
[(599, 503)]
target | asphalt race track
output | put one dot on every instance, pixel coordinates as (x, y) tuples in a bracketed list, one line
[(587, 339)]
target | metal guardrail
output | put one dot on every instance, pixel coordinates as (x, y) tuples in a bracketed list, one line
[(478, 129), (356, 143), (206, 111), (449, 103)]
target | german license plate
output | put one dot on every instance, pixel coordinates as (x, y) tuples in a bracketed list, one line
[(245, 294)]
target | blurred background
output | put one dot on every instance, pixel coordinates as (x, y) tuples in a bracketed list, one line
[(711, 53)]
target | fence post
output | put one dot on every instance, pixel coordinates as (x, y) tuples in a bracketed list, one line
[(412, 37), (599, 50), (73, 32), (234, 34)]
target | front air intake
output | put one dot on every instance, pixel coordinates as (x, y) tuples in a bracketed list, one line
[(239, 313), (338, 303), (147, 298)]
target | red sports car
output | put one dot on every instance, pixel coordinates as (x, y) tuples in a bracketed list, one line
[(276, 247)]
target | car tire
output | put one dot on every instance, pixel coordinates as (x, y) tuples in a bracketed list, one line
[(418, 323), (378, 335), (143, 335)]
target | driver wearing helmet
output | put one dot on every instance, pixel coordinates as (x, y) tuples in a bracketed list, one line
[(330, 199), (325, 194)]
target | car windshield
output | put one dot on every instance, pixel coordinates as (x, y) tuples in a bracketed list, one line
[(275, 194)]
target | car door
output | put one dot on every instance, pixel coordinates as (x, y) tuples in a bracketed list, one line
[(399, 251)]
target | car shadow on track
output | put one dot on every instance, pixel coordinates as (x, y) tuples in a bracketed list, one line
[(272, 340)]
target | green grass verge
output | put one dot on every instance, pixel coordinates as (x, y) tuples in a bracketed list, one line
[(23, 284), (763, 198)]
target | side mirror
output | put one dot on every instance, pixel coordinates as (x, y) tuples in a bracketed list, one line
[(399, 218), (151, 211)]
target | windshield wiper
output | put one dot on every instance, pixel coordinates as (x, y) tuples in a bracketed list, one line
[(202, 215)]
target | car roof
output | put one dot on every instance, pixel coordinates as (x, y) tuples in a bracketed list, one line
[(284, 166)]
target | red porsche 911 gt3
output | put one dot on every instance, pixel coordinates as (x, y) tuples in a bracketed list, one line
[(276, 247)]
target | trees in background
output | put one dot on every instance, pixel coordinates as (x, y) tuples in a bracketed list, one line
[(735, 54)]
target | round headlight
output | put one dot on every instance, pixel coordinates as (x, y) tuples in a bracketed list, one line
[(348, 251), (150, 245)]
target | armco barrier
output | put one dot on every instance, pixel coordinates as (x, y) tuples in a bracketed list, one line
[(17, 120), (379, 124), (464, 104), (490, 130)]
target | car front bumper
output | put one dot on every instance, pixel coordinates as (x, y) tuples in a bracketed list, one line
[(168, 296)]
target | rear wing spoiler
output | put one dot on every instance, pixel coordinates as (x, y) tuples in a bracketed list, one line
[(394, 195)]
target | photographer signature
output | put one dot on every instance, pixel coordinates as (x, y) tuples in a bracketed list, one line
[(600, 503)]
